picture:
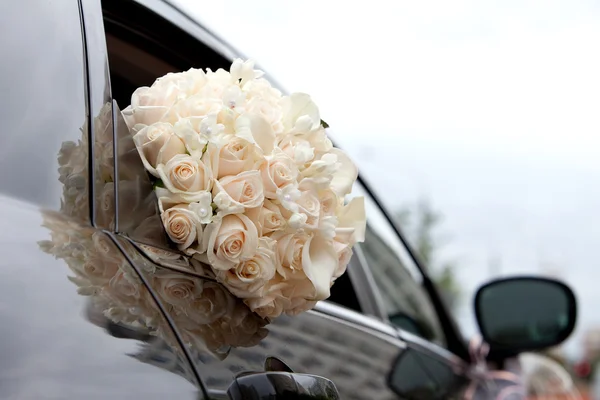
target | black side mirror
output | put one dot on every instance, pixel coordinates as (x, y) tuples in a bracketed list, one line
[(280, 382), (524, 314)]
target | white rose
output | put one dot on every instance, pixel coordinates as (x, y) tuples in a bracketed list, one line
[(182, 225), (230, 241), (243, 190), (278, 172), (267, 218), (148, 105), (267, 109), (185, 175), (344, 253), (238, 155), (194, 108), (177, 289), (330, 203), (248, 278), (307, 256), (289, 254), (157, 144), (272, 303)]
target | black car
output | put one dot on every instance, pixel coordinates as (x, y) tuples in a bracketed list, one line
[(68, 67)]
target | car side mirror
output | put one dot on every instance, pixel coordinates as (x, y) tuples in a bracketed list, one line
[(524, 314), (280, 382)]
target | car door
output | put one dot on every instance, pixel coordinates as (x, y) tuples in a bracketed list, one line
[(57, 268)]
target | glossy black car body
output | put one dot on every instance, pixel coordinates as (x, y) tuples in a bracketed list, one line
[(67, 70)]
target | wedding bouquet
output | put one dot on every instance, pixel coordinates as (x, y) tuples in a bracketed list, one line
[(248, 183)]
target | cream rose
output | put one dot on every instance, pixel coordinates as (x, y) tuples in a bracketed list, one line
[(268, 218), (185, 175), (311, 257), (177, 289), (248, 278), (230, 241), (235, 193), (238, 155), (279, 172), (272, 303), (182, 225), (289, 254), (344, 254), (195, 108), (157, 144)]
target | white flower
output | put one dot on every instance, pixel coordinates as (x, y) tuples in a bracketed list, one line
[(230, 241), (194, 108), (244, 71), (268, 218), (244, 190), (187, 176), (193, 141), (248, 278), (202, 207), (300, 113), (279, 171), (182, 224), (287, 197), (321, 171), (255, 129), (301, 151), (158, 144), (238, 155)]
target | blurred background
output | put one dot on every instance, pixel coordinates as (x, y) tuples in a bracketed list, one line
[(476, 121)]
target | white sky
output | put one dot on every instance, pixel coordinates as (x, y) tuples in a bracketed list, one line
[(488, 108)]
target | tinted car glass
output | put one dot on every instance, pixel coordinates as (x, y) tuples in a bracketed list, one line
[(398, 281), (59, 284), (42, 106), (227, 339)]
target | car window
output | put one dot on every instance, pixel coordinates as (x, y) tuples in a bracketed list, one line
[(397, 279), (43, 107)]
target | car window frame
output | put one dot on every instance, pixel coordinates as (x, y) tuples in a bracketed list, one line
[(368, 293)]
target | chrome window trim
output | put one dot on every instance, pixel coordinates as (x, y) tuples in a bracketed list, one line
[(98, 83), (365, 288), (363, 322)]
